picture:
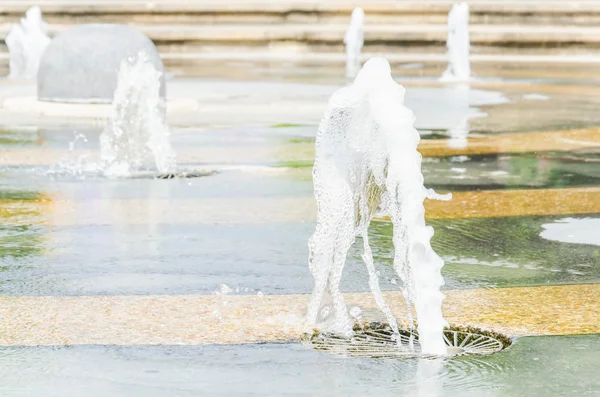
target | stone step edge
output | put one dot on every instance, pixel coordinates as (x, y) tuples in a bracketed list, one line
[(483, 34), (329, 57), (392, 57), (287, 6)]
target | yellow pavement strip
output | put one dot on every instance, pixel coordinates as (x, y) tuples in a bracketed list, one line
[(260, 210), (201, 319), (490, 203), (564, 140), (23, 209)]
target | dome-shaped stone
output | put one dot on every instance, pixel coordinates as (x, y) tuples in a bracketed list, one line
[(81, 64)]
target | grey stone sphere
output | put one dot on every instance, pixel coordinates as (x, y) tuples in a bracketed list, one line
[(81, 64)]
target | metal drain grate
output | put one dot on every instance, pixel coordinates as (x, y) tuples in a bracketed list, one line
[(173, 175), (380, 343), (185, 175)]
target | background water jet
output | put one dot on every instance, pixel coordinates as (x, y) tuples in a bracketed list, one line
[(26, 44), (367, 164), (354, 40), (458, 44), (136, 137)]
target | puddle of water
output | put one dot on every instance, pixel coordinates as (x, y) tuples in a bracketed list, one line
[(533, 366), (131, 236), (131, 254), (501, 252), (495, 171), (154, 258), (562, 110), (573, 230), (511, 252), (444, 108), (516, 171)]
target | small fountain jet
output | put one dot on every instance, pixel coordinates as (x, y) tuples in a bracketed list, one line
[(136, 137), (354, 40), (458, 43), (26, 44), (367, 165)]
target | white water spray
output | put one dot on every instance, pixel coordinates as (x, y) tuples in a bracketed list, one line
[(367, 165), (136, 137), (354, 40), (458, 44), (26, 44)]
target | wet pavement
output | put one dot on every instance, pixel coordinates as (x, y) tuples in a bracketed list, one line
[(233, 315), (220, 262), (553, 366)]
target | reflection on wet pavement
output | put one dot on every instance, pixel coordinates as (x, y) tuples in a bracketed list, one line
[(248, 226), (504, 252), (169, 243), (282, 149), (531, 367), (516, 171)]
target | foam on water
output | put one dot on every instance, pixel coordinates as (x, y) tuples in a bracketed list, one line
[(458, 44), (136, 137), (26, 44), (367, 165), (354, 40)]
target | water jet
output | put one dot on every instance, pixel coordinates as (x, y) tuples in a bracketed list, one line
[(26, 44), (458, 44), (354, 40), (367, 165), (136, 137)]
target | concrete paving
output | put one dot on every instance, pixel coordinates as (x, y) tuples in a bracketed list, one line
[(218, 319), (230, 319), (234, 210), (283, 154)]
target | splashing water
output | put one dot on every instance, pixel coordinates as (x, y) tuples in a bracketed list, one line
[(354, 40), (136, 137), (73, 164), (367, 165), (26, 44), (458, 44)]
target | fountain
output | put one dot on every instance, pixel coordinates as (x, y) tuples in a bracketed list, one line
[(26, 44), (136, 137), (367, 165), (459, 68), (354, 40)]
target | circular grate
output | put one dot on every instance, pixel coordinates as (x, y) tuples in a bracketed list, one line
[(185, 174), (379, 342)]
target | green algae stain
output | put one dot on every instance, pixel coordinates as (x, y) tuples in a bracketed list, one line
[(296, 164), (287, 125)]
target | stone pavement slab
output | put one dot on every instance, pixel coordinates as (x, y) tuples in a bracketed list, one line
[(231, 319)]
